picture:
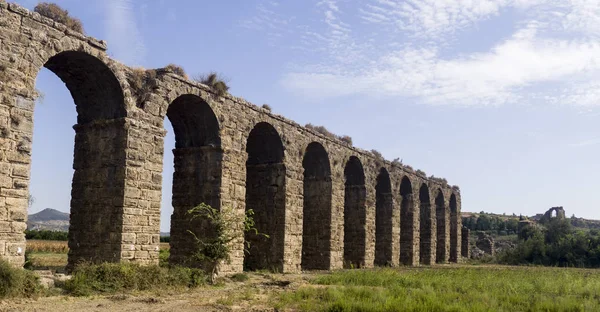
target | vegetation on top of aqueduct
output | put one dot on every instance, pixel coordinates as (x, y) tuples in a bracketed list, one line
[(60, 15)]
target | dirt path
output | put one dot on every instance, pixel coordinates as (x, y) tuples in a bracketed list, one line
[(255, 294)]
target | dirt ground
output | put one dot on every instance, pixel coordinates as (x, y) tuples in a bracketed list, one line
[(256, 294)]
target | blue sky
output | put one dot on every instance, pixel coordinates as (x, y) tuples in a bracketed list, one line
[(501, 97)]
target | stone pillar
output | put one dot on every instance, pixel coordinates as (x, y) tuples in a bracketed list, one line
[(196, 180), (409, 232), (465, 247), (370, 225), (16, 131), (98, 210), (292, 249)]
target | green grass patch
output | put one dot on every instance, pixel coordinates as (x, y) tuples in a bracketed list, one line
[(16, 282), (122, 277), (449, 289), (239, 277)]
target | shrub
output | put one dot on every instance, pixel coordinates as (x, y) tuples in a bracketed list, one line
[(212, 251), (397, 161), (215, 82), (376, 153), (60, 15), (421, 172), (89, 279), (267, 107), (346, 138), (176, 69), (16, 282)]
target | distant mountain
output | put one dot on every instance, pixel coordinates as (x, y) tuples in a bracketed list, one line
[(49, 219)]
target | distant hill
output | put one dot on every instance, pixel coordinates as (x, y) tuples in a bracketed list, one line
[(49, 219)]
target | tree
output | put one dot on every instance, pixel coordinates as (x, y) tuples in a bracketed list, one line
[(228, 227)]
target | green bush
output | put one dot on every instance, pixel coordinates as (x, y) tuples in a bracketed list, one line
[(58, 14), (89, 279), (16, 282), (46, 235)]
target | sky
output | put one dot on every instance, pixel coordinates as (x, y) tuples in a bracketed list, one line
[(500, 97)]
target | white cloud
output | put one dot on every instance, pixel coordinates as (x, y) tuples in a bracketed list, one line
[(126, 43)]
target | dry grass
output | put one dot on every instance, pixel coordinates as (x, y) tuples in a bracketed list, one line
[(176, 69), (60, 15), (215, 81), (47, 246)]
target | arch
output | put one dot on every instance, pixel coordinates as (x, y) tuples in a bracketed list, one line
[(384, 205), (453, 229), (194, 122), (98, 185), (265, 195), (355, 214), (197, 158), (316, 227), (425, 226), (407, 231), (441, 217), (93, 85)]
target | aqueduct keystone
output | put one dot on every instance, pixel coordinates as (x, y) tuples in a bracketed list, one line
[(323, 202)]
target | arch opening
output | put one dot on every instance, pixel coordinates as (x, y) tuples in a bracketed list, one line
[(98, 155), (265, 195), (407, 223), (383, 219), (197, 159), (316, 225), (425, 226), (355, 214), (453, 229), (441, 216)]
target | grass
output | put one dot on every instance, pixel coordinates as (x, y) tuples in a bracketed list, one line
[(60, 15), (108, 278), (449, 289), (17, 282)]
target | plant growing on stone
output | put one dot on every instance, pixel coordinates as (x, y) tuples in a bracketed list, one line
[(346, 138), (176, 69), (228, 227), (267, 107), (376, 153), (215, 82), (421, 172), (58, 14)]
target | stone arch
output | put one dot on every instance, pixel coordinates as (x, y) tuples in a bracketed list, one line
[(453, 229), (425, 226), (407, 223), (265, 195), (99, 152), (197, 174), (355, 213), (316, 227), (384, 206), (442, 218)]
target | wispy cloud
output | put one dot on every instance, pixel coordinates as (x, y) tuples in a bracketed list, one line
[(554, 42), (126, 42)]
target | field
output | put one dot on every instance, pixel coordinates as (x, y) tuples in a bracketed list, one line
[(438, 288)]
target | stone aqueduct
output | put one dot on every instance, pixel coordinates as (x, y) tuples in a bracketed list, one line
[(323, 202)]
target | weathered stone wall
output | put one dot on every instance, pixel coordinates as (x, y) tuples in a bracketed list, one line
[(115, 210), (466, 246)]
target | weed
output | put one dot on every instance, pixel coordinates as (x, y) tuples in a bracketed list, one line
[(346, 138), (176, 69), (89, 279), (239, 277), (60, 15), (15, 282), (376, 153), (267, 107), (215, 82)]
